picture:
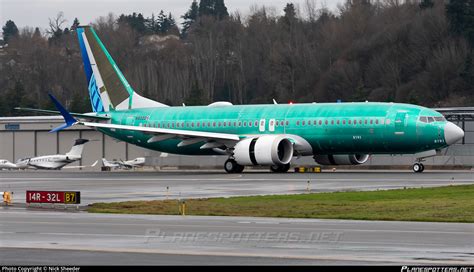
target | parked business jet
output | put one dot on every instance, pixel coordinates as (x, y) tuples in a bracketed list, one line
[(130, 164), (5, 164), (269, 135), (58, 161)]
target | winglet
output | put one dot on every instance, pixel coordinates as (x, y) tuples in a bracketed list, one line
[(68, 119)]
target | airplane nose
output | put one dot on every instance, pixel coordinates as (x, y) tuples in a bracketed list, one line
[(452, 133)]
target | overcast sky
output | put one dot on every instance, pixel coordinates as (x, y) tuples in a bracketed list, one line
[(36, 12)]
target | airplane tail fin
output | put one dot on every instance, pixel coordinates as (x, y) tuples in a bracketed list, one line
[(106, 163), (77, 148), (108, 88)]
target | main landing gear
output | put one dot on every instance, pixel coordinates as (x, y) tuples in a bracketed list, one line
[(418, 167), (231, 166), (280, 168)]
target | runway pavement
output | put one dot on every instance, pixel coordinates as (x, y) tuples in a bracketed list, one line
[(32, 236), (125, 186), (39, 237)]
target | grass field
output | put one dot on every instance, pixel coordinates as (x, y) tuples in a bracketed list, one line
[(440, 204)]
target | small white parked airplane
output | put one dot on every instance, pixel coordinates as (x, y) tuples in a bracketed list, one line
[(58, 161), (138, 162), (5, 164)]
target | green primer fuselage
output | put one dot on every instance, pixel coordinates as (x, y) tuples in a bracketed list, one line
[(330, 128)]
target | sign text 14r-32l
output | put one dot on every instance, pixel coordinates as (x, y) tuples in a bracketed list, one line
[(53, 197)]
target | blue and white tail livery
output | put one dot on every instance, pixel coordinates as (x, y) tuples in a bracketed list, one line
[(108, 88)]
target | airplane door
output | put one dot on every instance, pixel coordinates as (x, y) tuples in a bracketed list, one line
[(262, 125), (271, 125), (400, 123), (130, 122)]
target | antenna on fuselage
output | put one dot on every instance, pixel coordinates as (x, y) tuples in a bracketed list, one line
[(274, 101)]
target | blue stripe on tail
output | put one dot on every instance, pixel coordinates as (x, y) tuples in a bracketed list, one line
[(94, 94)]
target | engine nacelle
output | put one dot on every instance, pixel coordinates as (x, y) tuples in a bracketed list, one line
[(264, 150), (352, 159)]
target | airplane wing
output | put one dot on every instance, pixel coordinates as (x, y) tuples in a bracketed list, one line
[(80, 167), (213, 140), (188, 137)]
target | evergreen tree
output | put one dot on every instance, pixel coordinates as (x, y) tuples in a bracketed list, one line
[(190, 17), (162, 23), (37, 34), (215, 8), (9, 30), (220, 10), (206, 8), (135, 21)]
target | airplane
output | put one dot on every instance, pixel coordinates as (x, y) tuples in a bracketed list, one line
[(58, 161), (5, 164), (130, 164), (265, 135)]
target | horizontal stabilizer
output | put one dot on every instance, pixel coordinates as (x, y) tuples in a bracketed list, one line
[(68, 119)]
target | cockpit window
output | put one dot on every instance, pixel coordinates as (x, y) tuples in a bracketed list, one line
[(431, 119)]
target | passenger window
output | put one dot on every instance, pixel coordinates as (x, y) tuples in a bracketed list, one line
[(325, 122), (240, 123), (250, 124), (338, 121), (343, 122), (287, 123), (297, 123), (332, 122), (376, 121), (320, 122)]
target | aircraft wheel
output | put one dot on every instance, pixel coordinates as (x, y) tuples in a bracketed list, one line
[(418, 167), (231, 166), (239, 168), (280, 168), (422, 167)]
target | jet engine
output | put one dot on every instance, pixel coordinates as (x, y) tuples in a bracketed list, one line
[(351, 159), (264, 150)]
